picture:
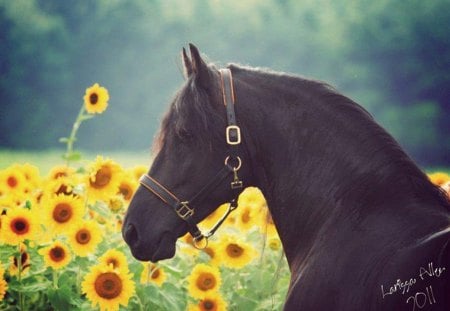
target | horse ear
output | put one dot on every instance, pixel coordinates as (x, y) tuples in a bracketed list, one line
[(187, 63), (199, 67)]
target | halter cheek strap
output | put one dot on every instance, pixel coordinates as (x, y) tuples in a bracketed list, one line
[(231, 166)]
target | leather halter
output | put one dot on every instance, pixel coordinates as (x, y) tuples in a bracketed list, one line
[(232, 164)]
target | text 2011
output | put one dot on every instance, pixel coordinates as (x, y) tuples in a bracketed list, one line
[(421, 299)]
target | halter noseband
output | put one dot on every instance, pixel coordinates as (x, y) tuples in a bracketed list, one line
[(232, 164)]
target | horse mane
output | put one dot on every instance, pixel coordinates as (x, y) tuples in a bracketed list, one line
[(191, 113)]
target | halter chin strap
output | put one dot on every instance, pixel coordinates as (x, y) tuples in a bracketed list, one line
[(231, 166)]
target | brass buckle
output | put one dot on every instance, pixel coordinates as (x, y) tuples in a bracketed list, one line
[(184, 211), (237, 130), (237, 184)]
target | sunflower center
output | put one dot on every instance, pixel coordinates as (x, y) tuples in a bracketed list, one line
[(234, 250), (93, 98), (102, 178), (83, 236), (62, 212), (108, 285), (208, 305), (20, 225), (57, 254), (206, 281), (245, 216), (113, 262), (59, 174), (23, 260), (12, 181), (155, 274), (125, 191), (64, 189), (210, 252)]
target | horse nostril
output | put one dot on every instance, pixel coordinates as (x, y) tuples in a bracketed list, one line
[(130, 235)]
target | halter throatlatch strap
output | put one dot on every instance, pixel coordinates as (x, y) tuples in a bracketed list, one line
[(231, 166)]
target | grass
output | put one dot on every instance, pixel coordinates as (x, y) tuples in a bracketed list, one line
[(45, 160)]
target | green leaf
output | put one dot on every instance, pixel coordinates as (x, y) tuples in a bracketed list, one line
[(86, 117), (64, 140), (61, 298), (73, 156)]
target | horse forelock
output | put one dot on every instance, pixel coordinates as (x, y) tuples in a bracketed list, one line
[(193, 112)]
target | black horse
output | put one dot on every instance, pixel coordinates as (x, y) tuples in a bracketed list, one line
[(361, 225)]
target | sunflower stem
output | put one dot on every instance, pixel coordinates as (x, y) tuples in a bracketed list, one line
[(19, 268), (55, 278), (79, 280), (73, 135)]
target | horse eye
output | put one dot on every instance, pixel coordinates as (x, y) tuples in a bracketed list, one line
[(185, 135)]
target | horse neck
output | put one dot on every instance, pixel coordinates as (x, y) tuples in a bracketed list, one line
[(312, 166)]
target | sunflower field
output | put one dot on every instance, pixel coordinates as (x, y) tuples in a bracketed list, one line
[(61, 246)]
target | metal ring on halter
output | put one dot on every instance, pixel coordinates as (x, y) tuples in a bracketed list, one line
[(197, 243), (239, 163)]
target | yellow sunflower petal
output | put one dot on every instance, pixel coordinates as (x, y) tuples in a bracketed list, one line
[(62, 212), (439, 178), (116, 259), (18, 225), (3, 288), (103, 179), (203, 280), (84, 237), (12, 180), (56, 255), (235, 253), (152, 274), (96, 99), (107, 287), (210, 302)]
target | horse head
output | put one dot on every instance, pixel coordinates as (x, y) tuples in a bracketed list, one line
[(199, 164)]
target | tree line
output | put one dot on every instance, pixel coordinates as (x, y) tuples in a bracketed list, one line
[(392, 57)]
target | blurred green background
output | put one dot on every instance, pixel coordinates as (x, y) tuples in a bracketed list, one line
[(393, 57)]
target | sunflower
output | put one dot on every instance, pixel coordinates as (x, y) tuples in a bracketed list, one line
[(18, 225), (152, 274), (116, 259), (62, 212), (235, 253), (274, 243), (213, 253), (25, 262), (3, 283), (439, 178), (138, 171), (214, 217), (127, 187), (85, 237), (252, 195), (12, 180), (56, 255), (59, 171), (269, 227), (187, 246), (103, 179), (31, 174), (249, 216), (96, 99), (107, 287), (211, 302), (203, 280), (3, 288), (61, 185), (116, 203)]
